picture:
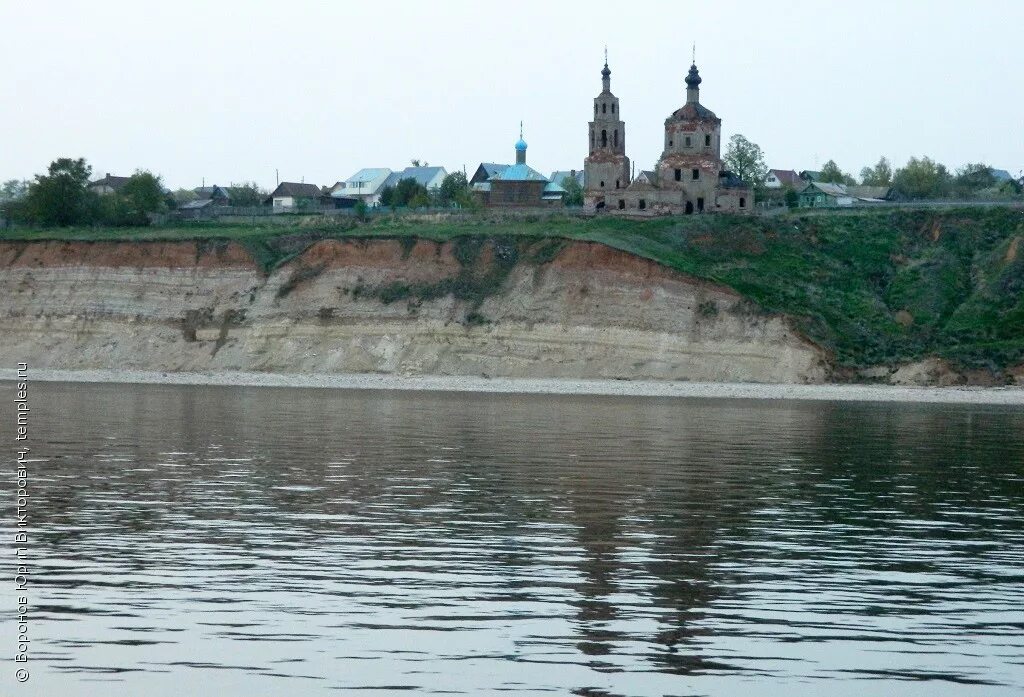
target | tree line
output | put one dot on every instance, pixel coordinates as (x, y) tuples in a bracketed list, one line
[(920, 178), (62, 197)]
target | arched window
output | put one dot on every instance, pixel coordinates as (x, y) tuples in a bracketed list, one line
[(595, 110), (616, 137), (616, 183), (604, 108), (613, 108), (604, 138), (602, 185)]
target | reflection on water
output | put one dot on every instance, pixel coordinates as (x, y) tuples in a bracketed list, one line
[(241, 541)]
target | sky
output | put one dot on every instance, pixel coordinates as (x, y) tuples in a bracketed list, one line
[(230, 91)]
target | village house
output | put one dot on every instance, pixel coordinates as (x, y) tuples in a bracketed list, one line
[(688, 178), (365, 185), (559, 177), (290, 195), (781, 178), (429, 178), (108, 184), (217, 195)]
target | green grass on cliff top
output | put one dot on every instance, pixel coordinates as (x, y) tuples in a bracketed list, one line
[(873, 287)]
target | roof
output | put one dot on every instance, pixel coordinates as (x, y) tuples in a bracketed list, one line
[(694, 111), (1001, 175), (560, 175), (369, 174), (786, 176), (197, 204), (111, 181), (206, 192), (553, 188), (728, 180), (422, 175), (828, 188), (810, 175), (492, 168), (296, 190), (879, 192), (519, 173)]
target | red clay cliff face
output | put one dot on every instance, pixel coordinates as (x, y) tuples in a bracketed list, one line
[(139, 255)]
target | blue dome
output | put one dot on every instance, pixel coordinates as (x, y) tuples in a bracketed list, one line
[(520, 144)]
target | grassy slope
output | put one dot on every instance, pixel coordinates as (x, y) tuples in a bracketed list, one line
[(846, 279)]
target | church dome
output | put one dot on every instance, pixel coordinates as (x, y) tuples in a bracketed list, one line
[(693, 77), (520, 144)]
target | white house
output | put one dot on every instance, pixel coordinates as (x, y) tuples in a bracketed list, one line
[(293, 195), (365, 185)]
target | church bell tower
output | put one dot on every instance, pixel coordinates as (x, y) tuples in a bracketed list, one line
[(606, 168)]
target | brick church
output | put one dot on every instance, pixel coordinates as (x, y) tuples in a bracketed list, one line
[(689, 176)]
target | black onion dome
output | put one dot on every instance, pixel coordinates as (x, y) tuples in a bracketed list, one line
[(606, 72), (693, 78)]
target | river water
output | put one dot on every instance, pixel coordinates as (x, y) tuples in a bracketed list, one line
[(266, 541)]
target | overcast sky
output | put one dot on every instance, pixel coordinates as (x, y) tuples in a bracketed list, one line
[(231, 91)]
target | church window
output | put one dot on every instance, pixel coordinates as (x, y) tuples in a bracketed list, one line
[(700, 204), (602, 185), (679, 175), (613, 108), (622, 204), (604, 108), (595, 110), (670, 143), (707, 141), (616, 183), (591, 139), (643, 203), (616, 137), (688, 141), (604, 138), (743, 202), (696, 174)]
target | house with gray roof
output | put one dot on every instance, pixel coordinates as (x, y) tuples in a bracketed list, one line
[(559, 176), (429, 178)]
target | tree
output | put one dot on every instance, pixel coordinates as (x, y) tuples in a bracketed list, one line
[(360, 210), (922, 178), (61, 196), (745, 159), (143, 193), (14, 190), (831, 174), (879, 175), (181, 196), (573, 191), (972, 178), (406, 190), (247, 194), (420, 199), (792, 198), (387, 196), (454, 189)]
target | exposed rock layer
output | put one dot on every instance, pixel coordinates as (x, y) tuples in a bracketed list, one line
[(588, 311)]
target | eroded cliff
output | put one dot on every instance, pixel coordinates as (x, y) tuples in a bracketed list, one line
[(513, 308)]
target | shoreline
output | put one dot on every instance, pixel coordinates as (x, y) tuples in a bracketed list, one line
[(549, 386)]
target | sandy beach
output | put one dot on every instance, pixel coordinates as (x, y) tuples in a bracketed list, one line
[(619, 388)]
